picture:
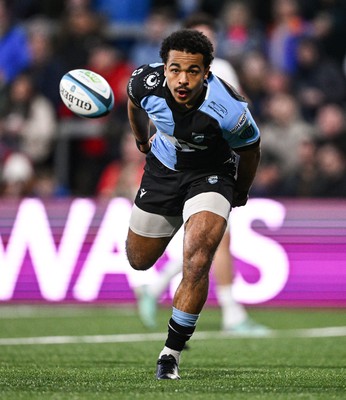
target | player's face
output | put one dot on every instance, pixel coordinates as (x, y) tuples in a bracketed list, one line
[(185, 74)]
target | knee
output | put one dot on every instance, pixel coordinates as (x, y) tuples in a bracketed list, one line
[(138, 259), (197, 264), (201, 257), (143, 252), (137, 262)]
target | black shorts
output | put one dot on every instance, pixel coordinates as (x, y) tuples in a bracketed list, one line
[(164, 191)]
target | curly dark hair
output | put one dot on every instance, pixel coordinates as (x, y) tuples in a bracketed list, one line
[(189, 41)]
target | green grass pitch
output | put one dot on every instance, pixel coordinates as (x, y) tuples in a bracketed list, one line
[(82, 353)]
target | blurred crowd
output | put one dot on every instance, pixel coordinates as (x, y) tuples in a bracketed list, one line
[(289, 57)]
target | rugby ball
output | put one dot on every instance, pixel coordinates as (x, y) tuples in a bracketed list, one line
[(86, 93)]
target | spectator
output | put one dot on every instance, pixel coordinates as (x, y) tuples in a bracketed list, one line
[(284, 130), (80, 29), (122, 177), (317, 80), (253, 75), (331, 125), (46, 67), (146, 49), (14, 50), (16, 176), (287, 28), (331, 183), (268, 180), (28, 123), (45, 184), (241, 33), (213, 7), (27, 9), (302, 178), (124, 12), (277, 82), (329, 26)]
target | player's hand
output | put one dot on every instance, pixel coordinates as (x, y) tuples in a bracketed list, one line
[(143, 147), (240, 199)]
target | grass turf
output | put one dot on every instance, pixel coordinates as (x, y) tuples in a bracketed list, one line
[(282, 367)]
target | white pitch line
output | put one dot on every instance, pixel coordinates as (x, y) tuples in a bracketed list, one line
[(129, 338)]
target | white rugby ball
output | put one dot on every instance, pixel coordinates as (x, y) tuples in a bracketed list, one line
[(86, 93)]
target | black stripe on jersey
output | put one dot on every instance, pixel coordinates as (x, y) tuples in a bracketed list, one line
[(232, 91)]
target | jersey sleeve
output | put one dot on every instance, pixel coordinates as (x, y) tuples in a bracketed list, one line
[(143, 81), (246, 134), (134, 86)]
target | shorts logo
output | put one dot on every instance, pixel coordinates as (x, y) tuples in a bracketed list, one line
[(152, 80), (213, 179), (142, 193)]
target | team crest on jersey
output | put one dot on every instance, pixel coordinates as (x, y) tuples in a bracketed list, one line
[(151, 81), (213, 179)]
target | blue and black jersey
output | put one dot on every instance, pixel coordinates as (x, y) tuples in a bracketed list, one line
[(201, 137)]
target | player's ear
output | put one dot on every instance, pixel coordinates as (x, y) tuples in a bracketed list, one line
[(206, 73), (164, 69)]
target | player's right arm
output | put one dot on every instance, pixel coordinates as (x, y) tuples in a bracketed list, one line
[(139, 122)]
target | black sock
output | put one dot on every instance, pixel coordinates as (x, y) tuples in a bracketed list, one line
[(178, 335)]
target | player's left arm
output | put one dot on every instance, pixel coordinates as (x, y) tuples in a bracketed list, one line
[(244, 139), (247, 167)]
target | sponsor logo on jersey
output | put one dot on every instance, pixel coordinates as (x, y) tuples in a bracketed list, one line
[(240, 124), (130, 87), (151, 81)]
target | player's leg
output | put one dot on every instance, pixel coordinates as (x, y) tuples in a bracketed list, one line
[(202, 235), (148, 237), (143, 252)]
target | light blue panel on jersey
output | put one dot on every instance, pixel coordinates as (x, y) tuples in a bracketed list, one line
[(243, 134), (233, 116), (163, 146), (159, 113), (164, 150)]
